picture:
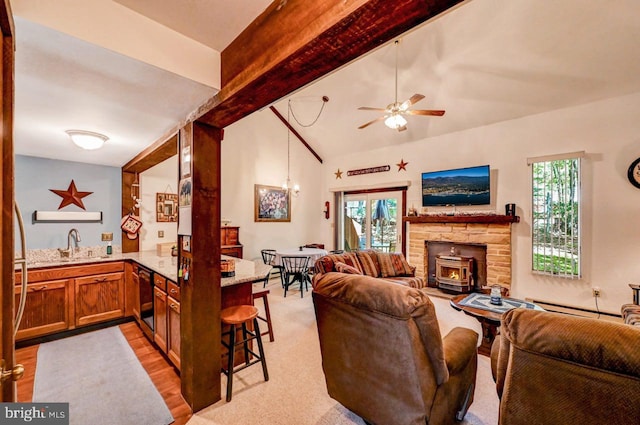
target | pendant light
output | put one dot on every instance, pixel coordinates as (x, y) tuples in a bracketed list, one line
[(295, 189)]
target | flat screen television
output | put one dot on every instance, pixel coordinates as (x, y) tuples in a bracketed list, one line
[(461, 186)]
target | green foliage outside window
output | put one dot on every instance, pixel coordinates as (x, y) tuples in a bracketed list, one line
[(556, 217)]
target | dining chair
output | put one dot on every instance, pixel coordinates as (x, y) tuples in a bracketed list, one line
[(296, 269), (268, 257)]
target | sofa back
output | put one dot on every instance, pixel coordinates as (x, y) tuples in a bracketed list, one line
[(559, 369), (382, 351), (367, 262)]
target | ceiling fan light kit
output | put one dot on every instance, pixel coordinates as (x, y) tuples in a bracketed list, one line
[(394, 112), (396, 122)]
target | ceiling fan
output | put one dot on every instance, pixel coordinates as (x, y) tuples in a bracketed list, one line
[(393, 113)]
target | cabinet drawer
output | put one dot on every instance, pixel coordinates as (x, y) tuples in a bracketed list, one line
[(173, 290), (235, 251), (160, 281)]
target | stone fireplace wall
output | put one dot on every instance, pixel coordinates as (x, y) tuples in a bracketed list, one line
[(496, 236)]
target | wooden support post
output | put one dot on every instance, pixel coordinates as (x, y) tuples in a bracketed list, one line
[(201, 295)]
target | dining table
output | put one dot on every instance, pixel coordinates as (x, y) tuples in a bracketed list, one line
[(312, 253)]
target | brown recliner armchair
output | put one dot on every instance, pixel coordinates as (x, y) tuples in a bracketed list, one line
[(557, 369), (383, 356)]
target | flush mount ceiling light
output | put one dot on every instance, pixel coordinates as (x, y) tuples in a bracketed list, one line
[(86, 139)]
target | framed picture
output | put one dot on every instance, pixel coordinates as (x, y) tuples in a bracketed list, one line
[(272, 203), (166, 207)]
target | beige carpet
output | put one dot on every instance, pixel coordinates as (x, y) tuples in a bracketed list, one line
[(296, 393)]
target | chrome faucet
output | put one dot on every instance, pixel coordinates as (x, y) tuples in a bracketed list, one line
[(73, 233)]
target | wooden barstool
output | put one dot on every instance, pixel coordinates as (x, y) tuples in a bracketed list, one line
[(242, 315), (263, 293)]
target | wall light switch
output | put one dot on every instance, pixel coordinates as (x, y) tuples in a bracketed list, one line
[(161, 233)]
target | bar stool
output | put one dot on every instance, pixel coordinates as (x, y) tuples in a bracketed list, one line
[(262, 293), (242, 315)]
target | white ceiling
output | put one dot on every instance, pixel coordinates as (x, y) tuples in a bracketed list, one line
[(485, 62)]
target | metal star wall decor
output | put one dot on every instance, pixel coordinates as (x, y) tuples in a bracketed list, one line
[(402, 165), (338, 174), (71, 196)]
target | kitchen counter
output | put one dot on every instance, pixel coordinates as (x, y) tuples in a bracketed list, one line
[(246, 271)]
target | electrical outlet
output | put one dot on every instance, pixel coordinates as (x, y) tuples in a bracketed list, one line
[(595, 291), (161, 233)]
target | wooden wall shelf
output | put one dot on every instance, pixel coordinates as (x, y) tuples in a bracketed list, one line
[(476, 218)]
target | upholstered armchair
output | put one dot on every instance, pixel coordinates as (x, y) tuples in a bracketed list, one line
[(383, 356), (557, 369)]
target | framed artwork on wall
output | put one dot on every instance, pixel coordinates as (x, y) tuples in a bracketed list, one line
[(272, 203), (166, 207)]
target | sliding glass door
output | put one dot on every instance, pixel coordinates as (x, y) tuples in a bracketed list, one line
[(373, 220)]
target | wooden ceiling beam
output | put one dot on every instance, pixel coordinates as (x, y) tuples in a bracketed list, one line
[(293, 43), (295, 132), (153, 155)]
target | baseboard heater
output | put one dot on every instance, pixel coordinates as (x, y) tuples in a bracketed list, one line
[(568, 309)]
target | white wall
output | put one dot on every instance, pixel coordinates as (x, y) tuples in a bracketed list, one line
[(254, 151), (609, 132), (158, 179)]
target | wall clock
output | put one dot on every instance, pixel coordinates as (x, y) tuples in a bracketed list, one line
[(634, 173)]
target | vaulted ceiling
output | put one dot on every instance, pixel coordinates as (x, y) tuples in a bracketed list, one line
[(484, 62)]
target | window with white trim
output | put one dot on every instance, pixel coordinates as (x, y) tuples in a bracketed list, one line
[(556, 214)]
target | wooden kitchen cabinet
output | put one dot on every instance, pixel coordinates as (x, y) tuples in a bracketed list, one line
[(173, 327), (99, 298), (63, 298), (47, 308), (230, 241), (135, 292), (160, 318)]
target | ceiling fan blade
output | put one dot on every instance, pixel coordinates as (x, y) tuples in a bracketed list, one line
[(411, 101), (371, 122), (367, 108), (424, 112)]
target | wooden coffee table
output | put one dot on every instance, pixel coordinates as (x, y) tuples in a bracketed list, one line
[(490, 320)]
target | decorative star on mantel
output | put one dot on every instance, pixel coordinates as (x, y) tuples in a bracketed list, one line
[(402, 165), (338, 174), (71, 196)]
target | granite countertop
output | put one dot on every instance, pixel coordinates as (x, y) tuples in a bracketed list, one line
[(246, 271)]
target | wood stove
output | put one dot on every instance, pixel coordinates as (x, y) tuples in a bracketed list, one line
[(454, 273)]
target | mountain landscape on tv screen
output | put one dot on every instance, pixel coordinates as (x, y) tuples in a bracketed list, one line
[(456, 190)]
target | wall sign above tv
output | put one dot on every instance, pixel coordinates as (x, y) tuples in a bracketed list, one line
[(460, 186)]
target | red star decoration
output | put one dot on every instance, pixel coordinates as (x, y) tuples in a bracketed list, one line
[(402, 165), (71, 196)]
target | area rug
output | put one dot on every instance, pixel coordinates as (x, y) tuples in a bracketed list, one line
[(100, 377)]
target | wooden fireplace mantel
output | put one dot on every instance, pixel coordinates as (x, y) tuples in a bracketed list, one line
[(475, 218)]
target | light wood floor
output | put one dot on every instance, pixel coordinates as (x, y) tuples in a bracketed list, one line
[(161, 372)]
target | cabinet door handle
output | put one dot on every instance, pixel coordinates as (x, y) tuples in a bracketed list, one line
[(173, 307), (42, 288), (104, 279), (159, 295), (173, 291)]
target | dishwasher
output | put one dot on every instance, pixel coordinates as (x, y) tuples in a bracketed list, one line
[(145, 280)]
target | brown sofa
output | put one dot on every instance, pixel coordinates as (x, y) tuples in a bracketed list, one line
[(383, 356), (392, 267), (557, 369)]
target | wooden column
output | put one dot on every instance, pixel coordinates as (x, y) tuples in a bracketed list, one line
[(128, 245), (200, 296)]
